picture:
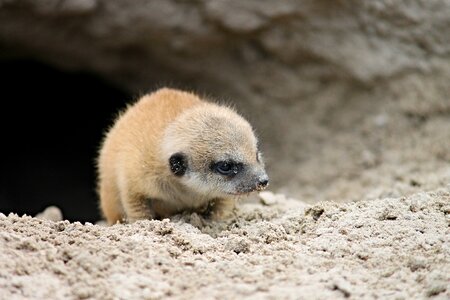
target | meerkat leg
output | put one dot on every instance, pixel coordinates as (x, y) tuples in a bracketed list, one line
[(220, 209), (110, 203), (137, 207)]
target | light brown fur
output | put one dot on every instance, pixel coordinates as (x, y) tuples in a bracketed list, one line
[(135, 180)]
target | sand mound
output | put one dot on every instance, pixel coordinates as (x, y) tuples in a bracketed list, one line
[(280, 248)]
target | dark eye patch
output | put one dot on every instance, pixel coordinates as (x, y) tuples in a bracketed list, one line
[(226, 168), (178, 164)]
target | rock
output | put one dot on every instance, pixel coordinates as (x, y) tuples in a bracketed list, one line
[(269, 198), (51, 213)]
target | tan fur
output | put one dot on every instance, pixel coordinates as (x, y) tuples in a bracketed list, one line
[(135, 181)]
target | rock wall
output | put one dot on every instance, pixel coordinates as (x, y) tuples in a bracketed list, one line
[(350, 98)]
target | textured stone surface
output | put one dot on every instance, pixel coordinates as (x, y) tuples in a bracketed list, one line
[(347, 96)]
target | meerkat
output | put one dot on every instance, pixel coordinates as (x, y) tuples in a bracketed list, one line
[(171, 152)]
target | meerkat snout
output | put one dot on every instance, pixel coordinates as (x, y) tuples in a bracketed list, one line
[(172, 151), (253, 181), (263, 182)]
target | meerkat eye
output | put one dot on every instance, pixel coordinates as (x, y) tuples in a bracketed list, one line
[(224, 168), (227, 168)]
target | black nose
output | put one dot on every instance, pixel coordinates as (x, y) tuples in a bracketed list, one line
[(263, 182)]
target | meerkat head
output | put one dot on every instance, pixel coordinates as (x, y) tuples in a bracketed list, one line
[(214, 151)]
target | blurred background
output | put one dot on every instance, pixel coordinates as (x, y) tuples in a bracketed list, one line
[(52, 123), (350, 99)]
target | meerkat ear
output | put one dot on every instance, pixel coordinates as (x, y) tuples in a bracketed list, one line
[(178, 164)]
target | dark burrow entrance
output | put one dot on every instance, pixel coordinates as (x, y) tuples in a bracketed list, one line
[(51, 127)]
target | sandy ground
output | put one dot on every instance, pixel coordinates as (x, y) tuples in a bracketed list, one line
[(274, 248)]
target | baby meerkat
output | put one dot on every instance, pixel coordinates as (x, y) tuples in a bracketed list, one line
[(171, 152)]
